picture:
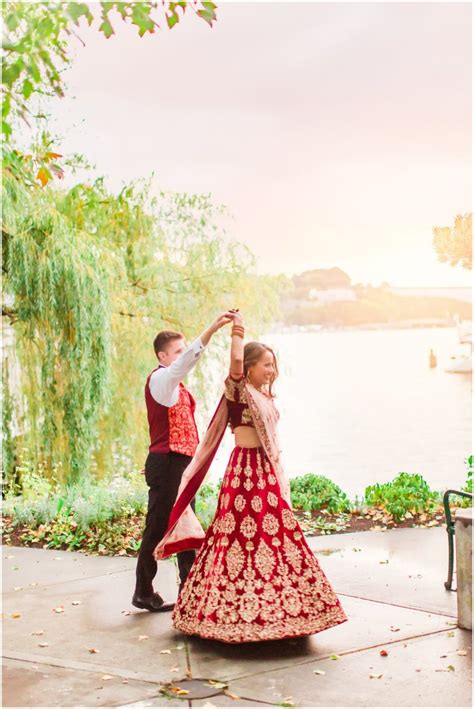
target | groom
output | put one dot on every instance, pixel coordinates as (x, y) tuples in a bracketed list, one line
[(173, 442)]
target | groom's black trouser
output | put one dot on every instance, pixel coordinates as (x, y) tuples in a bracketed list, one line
[(163, 472)]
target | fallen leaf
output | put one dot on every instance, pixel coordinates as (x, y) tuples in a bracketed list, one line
[(451, 634), (319, 672), (393, 629), (334, 657), (93, 651), (76, 603), (179, 647), (216, 684), (16, 615), (450, 668), (18, 588), (384, 653), (461, 652), (443, 656), (375, 676), (181, 692), (165, 652), (174, 669), (230, 695), (42, 644), (34, 583), (59, 609), (105, 678), (38, 632), (143, 637), (126, 612), (122, 552), (384, 562), (125, 681)]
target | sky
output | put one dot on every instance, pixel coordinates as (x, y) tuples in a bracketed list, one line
[(337, 134)]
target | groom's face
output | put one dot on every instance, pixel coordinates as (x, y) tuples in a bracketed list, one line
[(172, 351)]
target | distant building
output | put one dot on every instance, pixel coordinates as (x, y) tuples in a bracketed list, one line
[(331, 295)]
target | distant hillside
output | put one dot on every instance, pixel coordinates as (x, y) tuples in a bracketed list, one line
[(342, 304)]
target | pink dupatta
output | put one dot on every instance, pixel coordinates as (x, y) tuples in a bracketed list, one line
[(184, 529)]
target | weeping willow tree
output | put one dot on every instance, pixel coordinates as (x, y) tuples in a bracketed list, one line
[(89, 278), (57, 281)]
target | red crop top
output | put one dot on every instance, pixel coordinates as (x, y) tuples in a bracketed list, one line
[(239, 412)]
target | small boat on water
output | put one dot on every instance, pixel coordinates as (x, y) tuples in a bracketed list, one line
[(462, 363)]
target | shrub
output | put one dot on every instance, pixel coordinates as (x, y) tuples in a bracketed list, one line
[(406, 493), (316, 492)]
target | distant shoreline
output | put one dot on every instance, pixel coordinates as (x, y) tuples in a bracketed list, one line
[(283, 329)]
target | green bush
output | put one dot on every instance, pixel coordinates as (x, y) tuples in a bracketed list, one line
[(316, 492), (406, 493), (206, 503)]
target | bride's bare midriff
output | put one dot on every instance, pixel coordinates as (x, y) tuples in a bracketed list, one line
[(246, 437)]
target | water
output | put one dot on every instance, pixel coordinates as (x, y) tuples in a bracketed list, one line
[(360, 406)]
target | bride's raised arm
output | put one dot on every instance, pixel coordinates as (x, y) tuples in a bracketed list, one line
[(237, 347)]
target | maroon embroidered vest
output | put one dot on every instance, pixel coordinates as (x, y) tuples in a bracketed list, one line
[(172, 428)]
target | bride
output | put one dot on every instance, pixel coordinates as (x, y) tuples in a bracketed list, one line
[(254, 577)]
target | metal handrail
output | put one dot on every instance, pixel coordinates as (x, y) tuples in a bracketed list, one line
[(450, 530)]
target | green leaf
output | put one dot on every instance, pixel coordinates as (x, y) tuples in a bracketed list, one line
[(76, 10), (12, 72), (45, 26), (208, 16), (27, 89), (34, 70), (172, 20), (122, 8), (6, 105), (141, 18), (12, 21), (106, 28), (6, 129)]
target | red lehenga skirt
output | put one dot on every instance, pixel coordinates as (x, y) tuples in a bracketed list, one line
[(255, 577)]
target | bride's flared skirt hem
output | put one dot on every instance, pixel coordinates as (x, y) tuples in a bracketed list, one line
[(254, 633)]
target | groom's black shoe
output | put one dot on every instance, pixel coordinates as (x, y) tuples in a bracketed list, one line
[(153, 603)]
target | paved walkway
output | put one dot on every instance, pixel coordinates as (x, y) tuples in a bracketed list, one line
[(100, 651)]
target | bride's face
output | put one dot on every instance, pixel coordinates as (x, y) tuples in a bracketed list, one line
[(263, 371)]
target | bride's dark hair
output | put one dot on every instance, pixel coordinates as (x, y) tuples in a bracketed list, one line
[(252, 353)]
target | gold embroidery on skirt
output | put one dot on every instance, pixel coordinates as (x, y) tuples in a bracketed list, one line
[(270, 524), (292, 553), (265, 560), (289, 520), (248, 527), (272, 499), (235, 560), (239, 503), (256, 503), (226, 525)]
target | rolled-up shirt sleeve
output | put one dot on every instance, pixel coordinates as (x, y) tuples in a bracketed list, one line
[(164, 383)]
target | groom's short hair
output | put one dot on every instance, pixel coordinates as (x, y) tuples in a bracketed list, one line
[(164, 338)]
